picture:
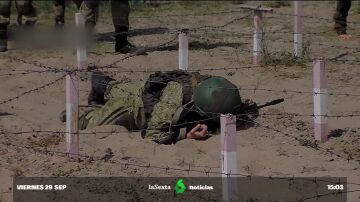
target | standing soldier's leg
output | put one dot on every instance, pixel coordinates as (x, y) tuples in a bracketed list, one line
[(59, 6), (90, 9), (78, 3), (28, 11), (340, 16), (120, 10), (5, 6)]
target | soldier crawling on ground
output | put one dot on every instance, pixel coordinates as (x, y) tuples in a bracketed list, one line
[(168, 106)]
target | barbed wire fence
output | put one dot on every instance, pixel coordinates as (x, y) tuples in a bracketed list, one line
[(114, 68)]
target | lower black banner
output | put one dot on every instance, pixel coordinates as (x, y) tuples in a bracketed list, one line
[(247, 189)]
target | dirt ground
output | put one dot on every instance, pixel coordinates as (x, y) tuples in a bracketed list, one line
[(267, 150)]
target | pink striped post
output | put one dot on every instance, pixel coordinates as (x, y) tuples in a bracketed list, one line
[(320, 105), (183, 50), (297, 28), (228, 157), (72, 99), (258, 31)]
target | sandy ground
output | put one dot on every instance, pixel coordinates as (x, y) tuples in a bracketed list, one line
[(261, 151)]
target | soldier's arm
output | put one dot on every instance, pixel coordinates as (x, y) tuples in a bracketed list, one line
[(167, 137), (160, 127), (175, 135)]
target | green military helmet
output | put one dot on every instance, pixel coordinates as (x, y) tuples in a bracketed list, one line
[(217, 95)]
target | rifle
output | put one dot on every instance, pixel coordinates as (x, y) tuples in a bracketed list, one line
[(274, 102), (193, 117)]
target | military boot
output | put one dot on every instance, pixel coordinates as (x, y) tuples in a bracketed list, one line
[(122, 45), (3, 38), (59, 23), (99, 83), (29, 24)]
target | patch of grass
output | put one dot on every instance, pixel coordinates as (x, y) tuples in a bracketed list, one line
[(285, 57), (238, 1), (277, 4), (46, 141), (44, 6)]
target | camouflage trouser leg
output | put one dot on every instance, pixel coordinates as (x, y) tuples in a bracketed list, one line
[(120, 10), (5, 6), (26, 9), (340, 16), (124, 107), (78, 3), (90, 9), (59, 6)]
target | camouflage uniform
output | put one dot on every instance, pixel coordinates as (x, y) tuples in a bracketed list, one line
[(24, 8), (340, 16), (125, 106), (59, 9), (120, 10), (26, 13)]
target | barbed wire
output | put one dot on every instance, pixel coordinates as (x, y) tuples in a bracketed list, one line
[(167, 168), (346, 61), (112, 65), (190, 29), (356, 49), (207, 172), (189, 15), (259, 114), (239, 11), (35, 63), (26, 72), (32, 90), (313, 145), (214, 116), (317, 196), (312, 17), (284, 91)]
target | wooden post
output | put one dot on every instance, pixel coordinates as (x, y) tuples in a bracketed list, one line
[(320, 105), (297, 28), (183, 50), (228, 157), (258, 31), (72, 98)]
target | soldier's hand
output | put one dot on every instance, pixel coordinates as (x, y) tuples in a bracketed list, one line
[(198, 132), (345, 37)]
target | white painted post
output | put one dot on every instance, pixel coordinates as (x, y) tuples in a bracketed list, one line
[(258, 32), (72, 98), (183, 50), (320, 105), (228, 157), (297, 28)]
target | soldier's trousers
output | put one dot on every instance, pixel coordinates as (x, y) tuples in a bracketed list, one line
[(340, 16), (59, 6), (24, 8), (120, 10)]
